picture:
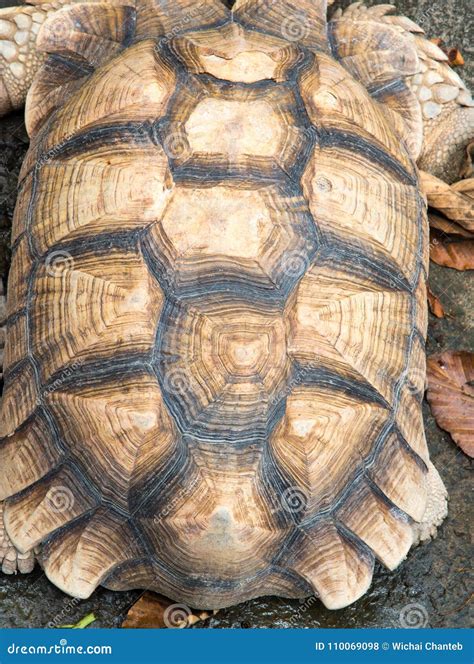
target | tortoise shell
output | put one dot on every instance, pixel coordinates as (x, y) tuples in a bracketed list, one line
[(216, 316)]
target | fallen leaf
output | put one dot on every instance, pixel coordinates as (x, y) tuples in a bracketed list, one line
[(434, 304), (451, 396), (455, 57), (454, 54), (155, 611), (450, 227), (451, 251), (455, 201)]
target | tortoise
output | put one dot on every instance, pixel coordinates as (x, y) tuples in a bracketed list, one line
[(214, 360)]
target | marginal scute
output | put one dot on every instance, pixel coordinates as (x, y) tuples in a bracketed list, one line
[(403, 112), (164, 19), (373, 52), (77, 559), (409, 421), (401, 477), (26, 457), (335, 100), (303, 23), (20, 269), (16, 340), (46, 506), (339, 570), (95, 31), (421, 317), (137, 574), (423, 97), (382, 58), (57, 80), (416, 367), (19, 400), (385, 530), (20, 215)]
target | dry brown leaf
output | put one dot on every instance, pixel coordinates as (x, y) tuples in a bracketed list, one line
[(154, 611), (451, 397), (447, 226), (434, 304), (455, 57), (455, 201), (451, 251)]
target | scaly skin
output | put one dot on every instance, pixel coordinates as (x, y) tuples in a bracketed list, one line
[(19, 58), (448, 114), (436, 508), (446, 139), (446, 105), (11, 560)]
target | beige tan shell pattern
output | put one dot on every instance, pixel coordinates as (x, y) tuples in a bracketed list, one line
[(216, 311)]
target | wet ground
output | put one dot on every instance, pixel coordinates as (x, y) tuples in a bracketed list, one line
[(431, 588)]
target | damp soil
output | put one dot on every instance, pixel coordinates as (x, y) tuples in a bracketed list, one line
[(431, 588)]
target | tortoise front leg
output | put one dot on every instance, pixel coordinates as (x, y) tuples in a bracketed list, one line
[(12, 560), (411, 77), (449, 141), (19, 59)]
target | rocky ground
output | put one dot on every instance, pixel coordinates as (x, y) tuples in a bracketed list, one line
[(431, 587)]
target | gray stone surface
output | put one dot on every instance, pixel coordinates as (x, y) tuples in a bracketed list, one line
[(431, 587)]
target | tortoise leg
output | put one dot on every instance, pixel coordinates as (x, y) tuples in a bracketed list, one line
[(436, 507), (448, 138), (19, 59), (11, 560), (411, 77), (447, 110)]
